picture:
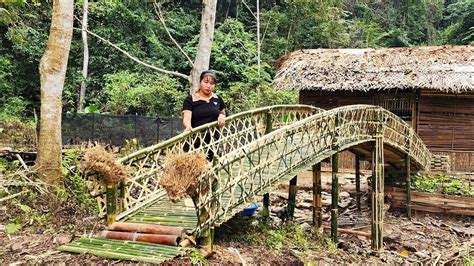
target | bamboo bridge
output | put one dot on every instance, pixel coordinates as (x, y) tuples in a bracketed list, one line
[(255, 152)]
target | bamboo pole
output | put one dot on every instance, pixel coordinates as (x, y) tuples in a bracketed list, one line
[(334, 196), (317, 204), (378, 188), (147, 228), (357, 179), (292, 198), (122, 194), (170, 240), (408, 185), (111, 204)]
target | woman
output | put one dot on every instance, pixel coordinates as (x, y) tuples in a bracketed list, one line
[(204, 106)]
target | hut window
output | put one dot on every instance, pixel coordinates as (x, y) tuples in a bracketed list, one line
[(403, 105)]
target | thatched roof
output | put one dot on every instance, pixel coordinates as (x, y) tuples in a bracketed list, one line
[(443, 68)]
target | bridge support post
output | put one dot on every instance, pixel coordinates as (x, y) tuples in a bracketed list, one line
[(266, 205), (377, 195), (334, 196), (292, 198), (408, 185), (357, 179), (317, 188)]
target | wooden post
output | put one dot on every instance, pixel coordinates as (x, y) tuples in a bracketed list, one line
[(292, 198), (408, 185), (334, 196), (111, 203), (377, 195), (266, 209), (317, 205), (357, 177)]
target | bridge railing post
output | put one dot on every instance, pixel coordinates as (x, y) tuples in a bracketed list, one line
[(408, 136), (377, 195), (268, 122), (335, 180)]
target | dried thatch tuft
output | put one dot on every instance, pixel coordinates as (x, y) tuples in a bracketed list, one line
[(441, 68), (100, 161), (181, 174)]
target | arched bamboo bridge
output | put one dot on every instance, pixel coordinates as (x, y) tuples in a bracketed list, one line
[(260, 149)]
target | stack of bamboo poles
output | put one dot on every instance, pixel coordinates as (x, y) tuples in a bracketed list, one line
[(123, 250), (150, 243), (152, 233)]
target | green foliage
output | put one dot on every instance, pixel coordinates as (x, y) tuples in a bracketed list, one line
[(75, 184), (132, 25), (440, 183), (12, 228), (147, 94), (196, 257), (253, 91), (13, 110)]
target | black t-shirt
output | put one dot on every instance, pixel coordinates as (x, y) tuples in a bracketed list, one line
[(203, 112)]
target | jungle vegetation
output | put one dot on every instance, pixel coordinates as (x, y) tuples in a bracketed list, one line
[(117, 85)]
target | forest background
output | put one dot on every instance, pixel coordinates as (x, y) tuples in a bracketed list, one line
[(117, 85)]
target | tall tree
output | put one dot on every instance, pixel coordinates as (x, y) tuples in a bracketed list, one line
[(52, 71), (82, 93), (203, 54)]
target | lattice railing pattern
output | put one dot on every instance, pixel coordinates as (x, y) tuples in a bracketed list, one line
[(255, 168), (145, 166)]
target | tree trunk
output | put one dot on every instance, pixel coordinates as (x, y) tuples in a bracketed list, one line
[(52, 71), (82, 93), (203, 53)]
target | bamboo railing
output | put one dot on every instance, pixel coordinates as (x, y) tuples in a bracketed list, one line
[(144, 166), (254, 169), (260, 149)]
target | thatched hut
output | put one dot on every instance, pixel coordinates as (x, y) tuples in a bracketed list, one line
[(432, 88)]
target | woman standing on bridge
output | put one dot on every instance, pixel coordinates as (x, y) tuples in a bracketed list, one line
[(204, 106)]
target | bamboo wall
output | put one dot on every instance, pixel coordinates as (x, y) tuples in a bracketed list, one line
[(446, 121)]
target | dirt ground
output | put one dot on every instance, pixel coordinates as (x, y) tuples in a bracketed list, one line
[(426, 238)]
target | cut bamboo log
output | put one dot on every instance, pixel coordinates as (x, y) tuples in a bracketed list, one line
[(111, 195), (170, 240), (147, 228)]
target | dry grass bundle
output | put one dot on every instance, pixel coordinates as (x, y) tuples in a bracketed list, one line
[(181, 174), (100, 161)]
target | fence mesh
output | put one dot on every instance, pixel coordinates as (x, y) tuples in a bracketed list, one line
[(116, 129)]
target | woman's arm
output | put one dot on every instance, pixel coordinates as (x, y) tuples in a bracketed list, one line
[(187, 120), (221, 118)]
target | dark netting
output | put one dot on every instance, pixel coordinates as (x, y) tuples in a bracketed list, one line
[(116, 129)]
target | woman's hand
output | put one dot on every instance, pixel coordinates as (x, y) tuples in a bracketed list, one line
[(221, 120)]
